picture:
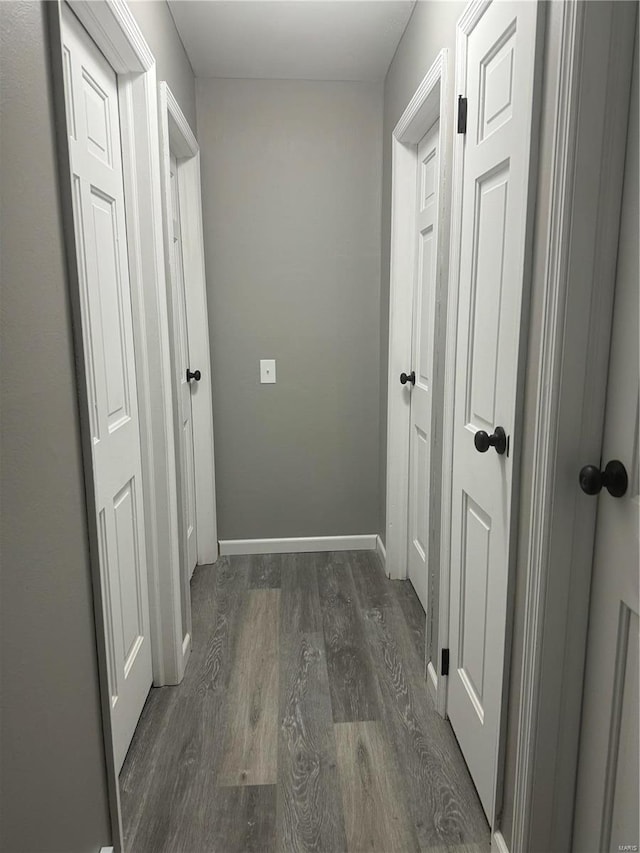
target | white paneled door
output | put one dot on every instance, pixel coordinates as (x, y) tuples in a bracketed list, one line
[(98, 197), (426, 241), (499, 53), (184, 375), (608, 790)]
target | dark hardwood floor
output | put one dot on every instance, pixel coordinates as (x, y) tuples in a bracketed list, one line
[(303, 721)]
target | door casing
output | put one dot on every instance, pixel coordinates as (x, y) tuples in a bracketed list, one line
[(111, 26), (588, 99), (107, 326), (177, 137)]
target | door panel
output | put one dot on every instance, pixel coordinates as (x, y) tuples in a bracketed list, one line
[(98, 197), (129, 569), (496, 84), (426, 276), (486, 296), (182, 364), (110, 308), (476, 536), (500, 55), (427, 178), (608, 788)]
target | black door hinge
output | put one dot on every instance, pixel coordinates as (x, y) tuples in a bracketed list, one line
[(444, 663), (462, 114)]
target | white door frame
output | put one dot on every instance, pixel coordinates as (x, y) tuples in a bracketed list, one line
[(465, 25), (177, 137), (425, 107), (467, 22), (113, 29), (591, 99)]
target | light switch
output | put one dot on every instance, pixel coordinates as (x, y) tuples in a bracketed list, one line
[(267, 370)]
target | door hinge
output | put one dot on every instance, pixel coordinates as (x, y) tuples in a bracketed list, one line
[(444, 663), (462, 114)]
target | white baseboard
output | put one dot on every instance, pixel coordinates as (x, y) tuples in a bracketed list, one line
[(432, 682), (381, 552), (498, 844), (298, 545)]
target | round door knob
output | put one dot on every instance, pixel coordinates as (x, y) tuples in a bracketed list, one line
[(498, 439), (591, 480), (614, 478), (408, 377), (193, 375)]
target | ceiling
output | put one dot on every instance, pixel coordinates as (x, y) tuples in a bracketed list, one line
[(291, 39)]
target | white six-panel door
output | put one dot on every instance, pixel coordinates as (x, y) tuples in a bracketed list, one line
[(426, 241), (98, 197), (182, 365), (607, 816), (499, 85)]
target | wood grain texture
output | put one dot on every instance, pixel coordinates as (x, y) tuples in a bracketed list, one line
[(251, 750), (219, 599), (440, 795), (376, 817), (243, 820), (203, 596), (376, 590), (143, 756), (414, 615), (299, 599), (257, 699), (309, 806), (172, 811), (352, 684), (373, 587), (265, 571)]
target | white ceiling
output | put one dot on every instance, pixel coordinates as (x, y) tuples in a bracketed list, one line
[(291, 39)]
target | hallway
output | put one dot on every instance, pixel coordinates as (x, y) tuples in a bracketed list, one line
[(303, 722)]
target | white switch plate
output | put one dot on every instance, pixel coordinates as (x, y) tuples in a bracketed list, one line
[(267, 370)]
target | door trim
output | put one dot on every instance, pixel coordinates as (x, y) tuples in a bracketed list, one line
[(467, 22), (425, 107), (595, 49), (111, 26), (176, 136), (381, 552)]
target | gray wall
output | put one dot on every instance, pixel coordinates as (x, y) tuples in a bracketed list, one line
[(172, 63), (430, 29), (52, 765), (291, 195)]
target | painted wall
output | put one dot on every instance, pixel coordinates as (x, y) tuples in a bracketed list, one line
[(430, 29), (173, 66), (291, 195), (53, 794)]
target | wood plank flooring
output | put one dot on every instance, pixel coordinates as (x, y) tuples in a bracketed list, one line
[(303, 722), (251, 750)]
